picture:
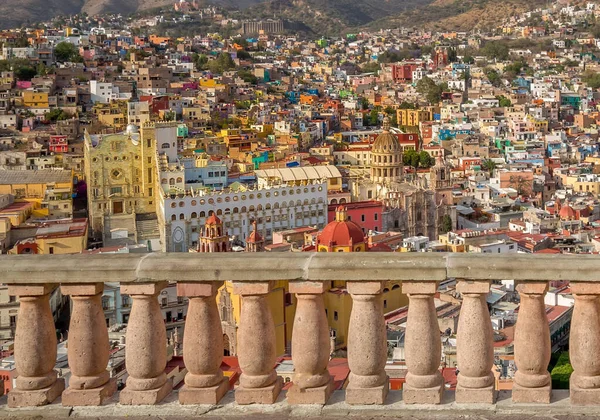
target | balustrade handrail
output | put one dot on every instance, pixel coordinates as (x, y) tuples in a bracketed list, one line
[(192, 267)]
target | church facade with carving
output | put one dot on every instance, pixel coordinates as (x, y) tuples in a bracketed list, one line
[(415, 207)]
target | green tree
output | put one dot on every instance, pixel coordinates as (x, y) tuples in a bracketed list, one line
[(496, 50), (431, 90), (65, 52), (446, 224), (489, 166), (411, 158), (56, 114), (407, 105), (425, 160), (372, 67), (222, 63), (200, 61), (493, 76), (504, 102)]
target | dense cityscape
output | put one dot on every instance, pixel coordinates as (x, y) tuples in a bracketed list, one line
[(197, 129)]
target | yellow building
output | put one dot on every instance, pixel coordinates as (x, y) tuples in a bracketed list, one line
[(33, 99), (120, 173), (56, 237), (281, 302), (412, 117), (343, 235)]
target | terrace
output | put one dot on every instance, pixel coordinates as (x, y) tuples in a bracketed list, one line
[(92, 393)]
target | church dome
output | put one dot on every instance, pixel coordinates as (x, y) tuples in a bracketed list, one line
[(386, 142), (567, 212), (341, 232)]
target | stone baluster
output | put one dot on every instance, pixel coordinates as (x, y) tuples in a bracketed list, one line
[(146, 350), (35, 348), (259, 383), (367, 345), (310, 346), (532, 383), (584, 342), (475, 345), (422, 346), (202, 345), (88, 348)]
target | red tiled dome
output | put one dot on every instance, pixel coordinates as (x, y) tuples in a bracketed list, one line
[(567, 212), (341, 234)]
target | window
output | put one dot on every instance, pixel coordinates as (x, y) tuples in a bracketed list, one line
[(376, 216), (335, 315), (362, 218), (288, 299), (385, 303), (51, 250), (164, 301), (116, 190)]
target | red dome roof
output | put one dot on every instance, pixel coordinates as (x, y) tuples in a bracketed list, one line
[(213, 220), (341, 234), (567, 212)]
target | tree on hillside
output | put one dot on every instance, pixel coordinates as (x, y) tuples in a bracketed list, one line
[(222, 63), (496, 50), (65, 51), (431, 90), (504, 102)]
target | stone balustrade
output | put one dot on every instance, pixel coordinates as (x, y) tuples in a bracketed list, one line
[(198, 277)]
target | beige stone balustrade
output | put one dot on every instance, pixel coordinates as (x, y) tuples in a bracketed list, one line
[(88, 349), (198, 277)]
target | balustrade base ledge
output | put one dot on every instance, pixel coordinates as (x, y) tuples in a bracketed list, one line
[(583, 396), (89, 397), (367, 396), (36, 398), (411, 395), (485, 395), (148, 397), (336, 407), (319, 395), (540, 395), (212, 395), (266, 395)]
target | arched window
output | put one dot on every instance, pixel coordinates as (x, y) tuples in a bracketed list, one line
[(173, 218), (181, 216), (172, 181), (194, 215), (259, 207), (334, 201), (202, 214), (251, 209), (219, 212), (163, 181), (179, 180), (267, 206), (165, 146), (386, 290), (244, 209), (236, 210), (275, 206), (395, 286)]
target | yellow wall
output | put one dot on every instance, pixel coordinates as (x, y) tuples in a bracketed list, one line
[(28, 191), (66, 245), (35, 99)]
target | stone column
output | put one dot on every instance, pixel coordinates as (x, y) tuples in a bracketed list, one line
[(146, 348), (88, 348), (475, 345), (584, 342), (532, 383), (202, 345), (422, 346), (310, 346), (367, 345), (35, 348), (259, 383)]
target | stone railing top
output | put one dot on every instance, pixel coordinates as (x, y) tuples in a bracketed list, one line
[(130, 268)]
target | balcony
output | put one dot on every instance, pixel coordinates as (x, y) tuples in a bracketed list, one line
[(206, 391)]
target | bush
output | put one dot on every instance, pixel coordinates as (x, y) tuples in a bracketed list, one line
[(561, 372)]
